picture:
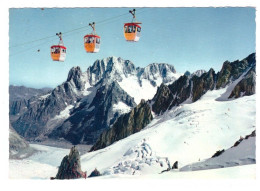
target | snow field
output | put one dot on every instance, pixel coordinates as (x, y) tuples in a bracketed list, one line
[(121, 108), (133, 88), (188, 133), (41, 165)]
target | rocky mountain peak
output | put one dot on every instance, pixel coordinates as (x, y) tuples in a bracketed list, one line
[(74, 72), (75, 76), (232, 70), (158, 73), (187, 73), (111, 67), (198, 73)]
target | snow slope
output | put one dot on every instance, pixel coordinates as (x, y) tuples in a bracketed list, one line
[(236, 172), (43, 165), (242, 154), (187, 134)]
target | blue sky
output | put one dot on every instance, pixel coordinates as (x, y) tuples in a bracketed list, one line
[(188, 38)]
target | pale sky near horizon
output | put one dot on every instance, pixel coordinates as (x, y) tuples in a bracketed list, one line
[(188, 38)]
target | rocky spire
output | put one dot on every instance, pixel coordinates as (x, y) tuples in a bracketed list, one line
[(75, 76), (70, 167)]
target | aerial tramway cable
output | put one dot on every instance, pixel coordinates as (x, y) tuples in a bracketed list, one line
[(66, 33)]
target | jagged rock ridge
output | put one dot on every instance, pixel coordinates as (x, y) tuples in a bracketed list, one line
[(190, 89)]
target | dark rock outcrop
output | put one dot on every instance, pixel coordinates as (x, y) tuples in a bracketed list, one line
[(246, 86), (94, 173), (187, 73), (162, 99), (168, 96), (233, 70), (125, 125), (192, 87), (70, 167), (218, 153), (202, 84), (253, 134), (175, 165)]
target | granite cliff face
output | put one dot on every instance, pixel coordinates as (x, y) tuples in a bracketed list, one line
[(233, 70), (246, 86), (202, 84)]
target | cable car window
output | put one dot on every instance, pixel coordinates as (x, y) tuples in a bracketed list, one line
[(130, 28), (91, 39), (138, 29), (134, 27), (63, 50), (57, 50), (126, 29), (86, 40), (97, 40)]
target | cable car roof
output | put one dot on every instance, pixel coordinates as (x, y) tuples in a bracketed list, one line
[(135, 24), (92, 35), (58, 46)]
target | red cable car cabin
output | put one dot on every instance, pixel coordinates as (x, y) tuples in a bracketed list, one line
[(92, 43), (58, 52), (132, 31)]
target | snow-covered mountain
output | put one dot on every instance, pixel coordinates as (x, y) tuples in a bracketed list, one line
[(88, 102), (188, 133), (187, 121)]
